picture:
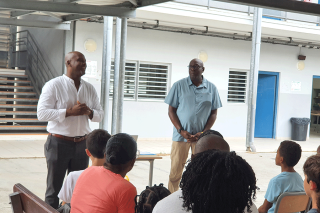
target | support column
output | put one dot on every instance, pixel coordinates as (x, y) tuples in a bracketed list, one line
[(253, 78), (116, 77), (69, 39), (106, 69), (122, 72)]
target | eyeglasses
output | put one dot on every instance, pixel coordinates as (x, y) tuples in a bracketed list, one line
[(194, 67)]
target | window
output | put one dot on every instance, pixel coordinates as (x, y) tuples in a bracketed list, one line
[(153, 80), (129, 80), (237, 87), (143, 81)]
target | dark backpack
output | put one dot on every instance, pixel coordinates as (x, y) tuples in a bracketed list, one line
[(150, 197), (66, 208)]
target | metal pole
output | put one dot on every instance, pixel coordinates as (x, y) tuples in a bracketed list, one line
[(106, 69), (122, 72), (116, 78), (151, 172), (253, 78)]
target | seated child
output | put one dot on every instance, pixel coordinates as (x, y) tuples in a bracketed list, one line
[(150, 197), (288, 155), (217, 181), (96, 145), (102, 189), (311, 169)]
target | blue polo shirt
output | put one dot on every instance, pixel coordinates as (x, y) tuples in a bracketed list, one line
[(194, 104)]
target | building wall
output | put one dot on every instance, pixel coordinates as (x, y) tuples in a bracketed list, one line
[(50, 42), (150, 120)]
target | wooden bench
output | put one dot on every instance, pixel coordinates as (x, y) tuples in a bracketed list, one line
[(24, 201)]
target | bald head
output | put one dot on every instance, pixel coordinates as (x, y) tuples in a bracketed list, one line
[(196, 61), (76, 65), (211, 142), (71, 55)]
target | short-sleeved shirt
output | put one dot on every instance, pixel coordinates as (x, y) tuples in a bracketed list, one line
[(313, 211), (194, 104), (284, 182), (99, 190), (68, 186)]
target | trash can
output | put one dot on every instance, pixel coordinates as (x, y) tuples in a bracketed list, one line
[(299, 128)]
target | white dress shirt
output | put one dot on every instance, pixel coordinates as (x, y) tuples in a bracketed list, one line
[(60, 94)]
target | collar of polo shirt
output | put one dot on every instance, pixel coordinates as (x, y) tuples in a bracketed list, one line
[(204, 82)]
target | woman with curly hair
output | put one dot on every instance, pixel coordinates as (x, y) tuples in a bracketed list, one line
[(218, 181)]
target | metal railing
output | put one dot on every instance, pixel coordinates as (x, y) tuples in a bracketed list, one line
[(24, 53), (267, 13)]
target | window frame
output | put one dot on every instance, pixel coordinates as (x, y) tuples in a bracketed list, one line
[(246, 89), (137, 80)]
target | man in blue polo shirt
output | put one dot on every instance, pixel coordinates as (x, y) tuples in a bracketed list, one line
[(193, 107)]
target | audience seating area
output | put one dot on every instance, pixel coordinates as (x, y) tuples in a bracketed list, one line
[(24, 201), (293, 202)]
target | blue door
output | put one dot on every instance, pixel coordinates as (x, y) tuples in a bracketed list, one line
[(266, 105)]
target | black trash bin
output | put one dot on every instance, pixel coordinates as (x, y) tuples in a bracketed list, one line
[(299, 128)]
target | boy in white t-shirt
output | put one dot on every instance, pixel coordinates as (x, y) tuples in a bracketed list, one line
[(96, 145)]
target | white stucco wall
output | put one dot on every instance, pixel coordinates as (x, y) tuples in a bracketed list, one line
[(50, 43), (150, 120)]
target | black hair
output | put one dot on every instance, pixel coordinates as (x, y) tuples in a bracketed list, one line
[(218, 181), (121, 148), (210, 132), (291, 152), (150, 197), (311, 168), (96, 142)]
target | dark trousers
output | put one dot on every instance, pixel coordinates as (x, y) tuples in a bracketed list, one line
[(62, 156)]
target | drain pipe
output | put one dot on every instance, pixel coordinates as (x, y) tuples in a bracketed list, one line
[(106, 69), (253, 78)]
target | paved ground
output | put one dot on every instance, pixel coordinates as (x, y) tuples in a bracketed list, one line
[(22, 161)]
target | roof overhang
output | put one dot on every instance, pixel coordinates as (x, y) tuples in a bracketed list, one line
[(68, 10), (283, 5)]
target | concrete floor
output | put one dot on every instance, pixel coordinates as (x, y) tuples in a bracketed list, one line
[(22, 161)]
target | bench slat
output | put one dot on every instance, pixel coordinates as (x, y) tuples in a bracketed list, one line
[(30, 202)]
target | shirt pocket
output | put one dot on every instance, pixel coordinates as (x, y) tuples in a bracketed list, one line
[(206, 100)]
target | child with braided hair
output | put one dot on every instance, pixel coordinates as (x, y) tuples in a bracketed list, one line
[(288, 155), (218, 181), (209, 140), (150, 197)]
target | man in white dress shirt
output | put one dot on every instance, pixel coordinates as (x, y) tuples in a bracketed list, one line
[(67, 102)]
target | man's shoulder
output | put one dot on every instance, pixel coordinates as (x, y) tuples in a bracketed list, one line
[(210, 84), (55, 81), (183, 81), (86, 83)]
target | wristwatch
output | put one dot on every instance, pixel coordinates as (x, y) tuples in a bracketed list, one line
[(179, 130)]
